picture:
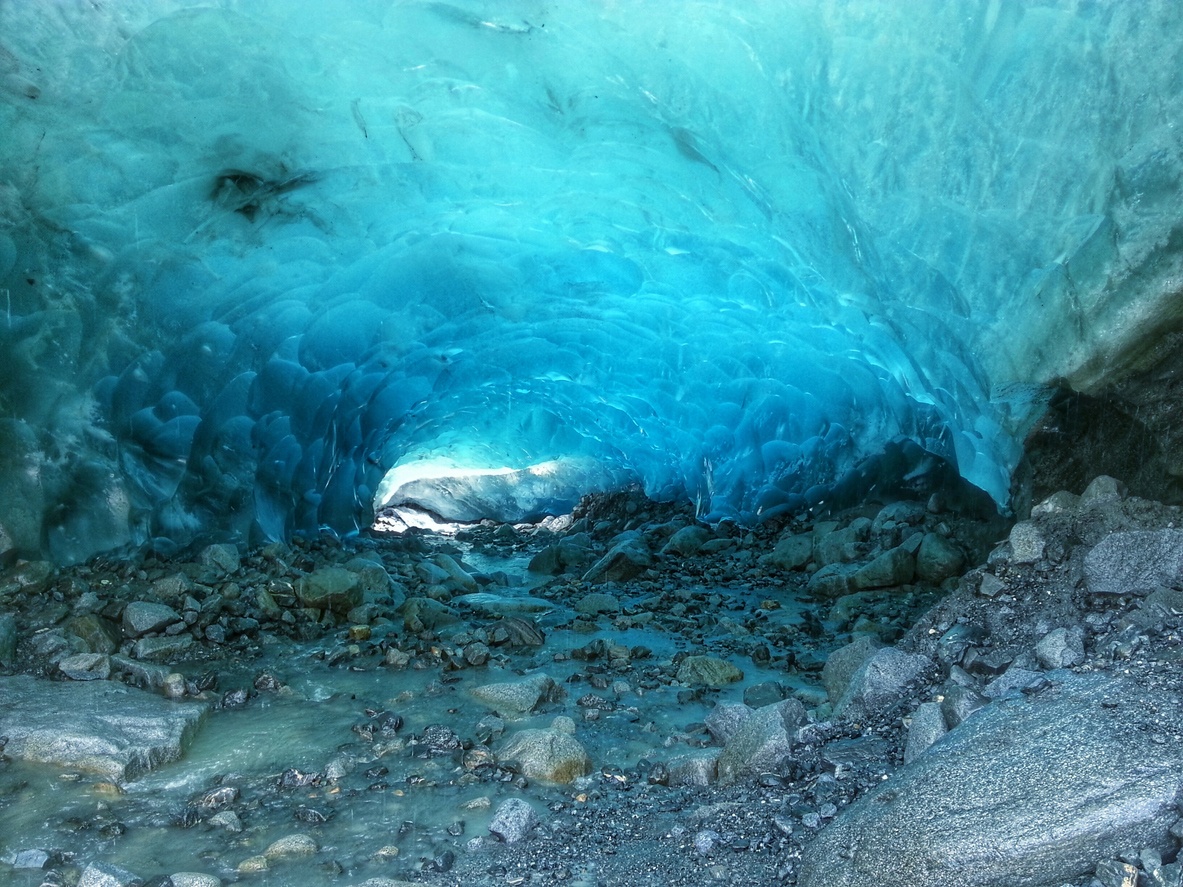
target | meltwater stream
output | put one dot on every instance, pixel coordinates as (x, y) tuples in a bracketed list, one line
[(310, 758)]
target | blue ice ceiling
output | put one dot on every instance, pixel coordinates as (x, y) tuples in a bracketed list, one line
[(256, 254)]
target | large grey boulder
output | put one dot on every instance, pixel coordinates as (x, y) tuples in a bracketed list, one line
[(330, 588), (896, 566), (938, 559), (513, 821), (878, 682), (547, 754), (141, 617), (517, 697), (102, 874), (1031, 792), (791, 552), (710, 671), (625, 560), (687, 541), (1135, 562), (762, 740), (844, 662), (98, 727)]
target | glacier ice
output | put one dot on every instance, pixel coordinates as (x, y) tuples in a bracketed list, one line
[(254, 255)]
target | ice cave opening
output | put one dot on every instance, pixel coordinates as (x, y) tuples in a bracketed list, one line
[(256, 255)]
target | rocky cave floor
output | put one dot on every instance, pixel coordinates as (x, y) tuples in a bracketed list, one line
[(674, 704)]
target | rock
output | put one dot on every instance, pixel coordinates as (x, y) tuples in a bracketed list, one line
[(687, 542), (28, 577), (762, 741), (546, 562), (1060, 648), (708, 670), (330, 588), (252, 865), (1014, 680), (928, 725), (625, 560), (86, 667), (94, 633), (476, 653), (844, 662), (547, 754), (1062, 502), (1101, 490), (961, 702), (938, 559), (27, 859), (195, 879), (141, 617), (514, 631), (896, 566), (102, 874), (878, 682), (1026, 543), (840, 546), (222, 558), (98, 727), (162, 648), (457, 579), (172, 588), (1059, 781), (424, 614), (1135, 562), (513, 821), (227, 820), (598, 602), (145, 675), (791, 552), (517, 697), (373, 580), (766, 693), (290, 846), (725, 719), (990, 585), (7, 640), (831, 581), (1112, 873), (694, 768)]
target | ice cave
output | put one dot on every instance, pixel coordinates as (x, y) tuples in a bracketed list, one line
[(272, 268)]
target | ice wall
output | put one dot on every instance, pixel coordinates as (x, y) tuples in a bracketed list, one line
[(254, 254)]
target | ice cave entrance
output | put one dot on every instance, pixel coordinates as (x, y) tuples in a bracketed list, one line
[(442, 494)]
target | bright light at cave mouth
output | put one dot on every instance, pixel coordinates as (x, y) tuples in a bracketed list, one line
[(441, 494)]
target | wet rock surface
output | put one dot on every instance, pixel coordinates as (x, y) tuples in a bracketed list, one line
[(618, 697), (99, 727)]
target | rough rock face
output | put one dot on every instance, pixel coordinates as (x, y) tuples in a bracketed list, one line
[(626, 559), (330, 588), (878, 681), (1135, 562), (114, 730), (547, 754), (1028, 791), (762, 740)]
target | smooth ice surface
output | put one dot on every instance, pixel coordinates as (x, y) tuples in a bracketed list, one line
[(255, 254)]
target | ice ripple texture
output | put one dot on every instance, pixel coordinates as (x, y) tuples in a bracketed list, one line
[(254, 255)]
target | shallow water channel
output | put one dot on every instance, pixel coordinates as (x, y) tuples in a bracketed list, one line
[(376, 809)]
